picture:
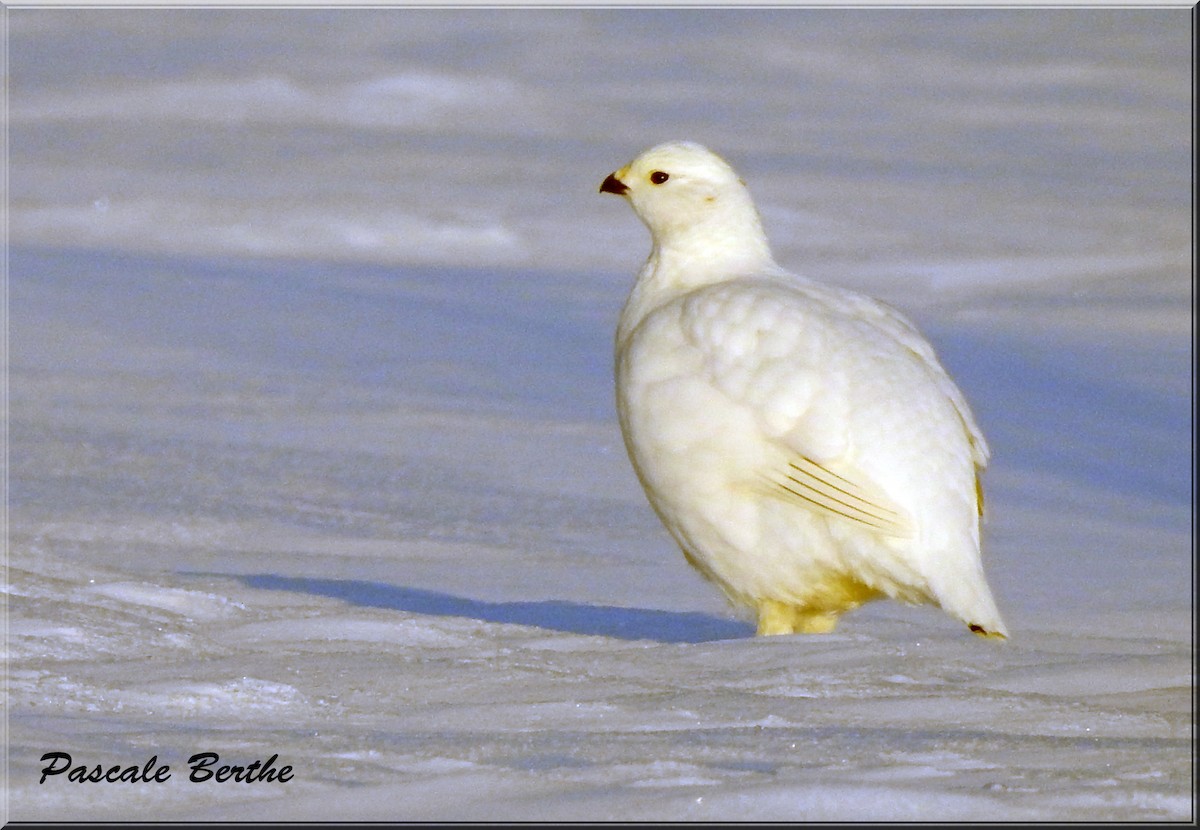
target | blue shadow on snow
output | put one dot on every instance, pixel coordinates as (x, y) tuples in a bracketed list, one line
[(553, 615)]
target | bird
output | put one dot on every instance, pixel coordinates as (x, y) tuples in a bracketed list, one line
[(800, 441)]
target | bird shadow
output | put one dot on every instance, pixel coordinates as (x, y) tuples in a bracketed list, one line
[(552, 615)]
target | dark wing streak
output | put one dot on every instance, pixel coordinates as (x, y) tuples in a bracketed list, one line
[(845, 481), (883, 519), (823, 506), (893, 514)]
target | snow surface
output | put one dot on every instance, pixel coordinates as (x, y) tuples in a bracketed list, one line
[(312, 450)]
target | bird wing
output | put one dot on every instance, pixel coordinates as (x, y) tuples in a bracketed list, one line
[(769, 345), (847, 495), (901, 329)]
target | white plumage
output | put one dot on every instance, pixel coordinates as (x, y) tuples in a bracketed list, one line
[(800, 442)]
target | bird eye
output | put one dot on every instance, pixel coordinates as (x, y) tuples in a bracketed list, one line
[(658, 177)]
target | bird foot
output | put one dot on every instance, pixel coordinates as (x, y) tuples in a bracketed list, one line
[(780, 618)]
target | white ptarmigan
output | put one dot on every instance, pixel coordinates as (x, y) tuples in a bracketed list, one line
[(801, 442)]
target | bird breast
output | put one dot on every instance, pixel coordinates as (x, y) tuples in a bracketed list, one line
[(727, 385)]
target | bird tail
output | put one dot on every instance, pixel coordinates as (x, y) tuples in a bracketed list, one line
[(966, 595)]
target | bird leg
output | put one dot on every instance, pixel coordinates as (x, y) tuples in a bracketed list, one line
[(776, 617)]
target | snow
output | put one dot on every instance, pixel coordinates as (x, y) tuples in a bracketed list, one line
[(312, 450)]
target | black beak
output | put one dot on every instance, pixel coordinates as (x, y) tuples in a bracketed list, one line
[(613, 185)]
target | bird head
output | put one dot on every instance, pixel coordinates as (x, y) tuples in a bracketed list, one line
[(688, 195)]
